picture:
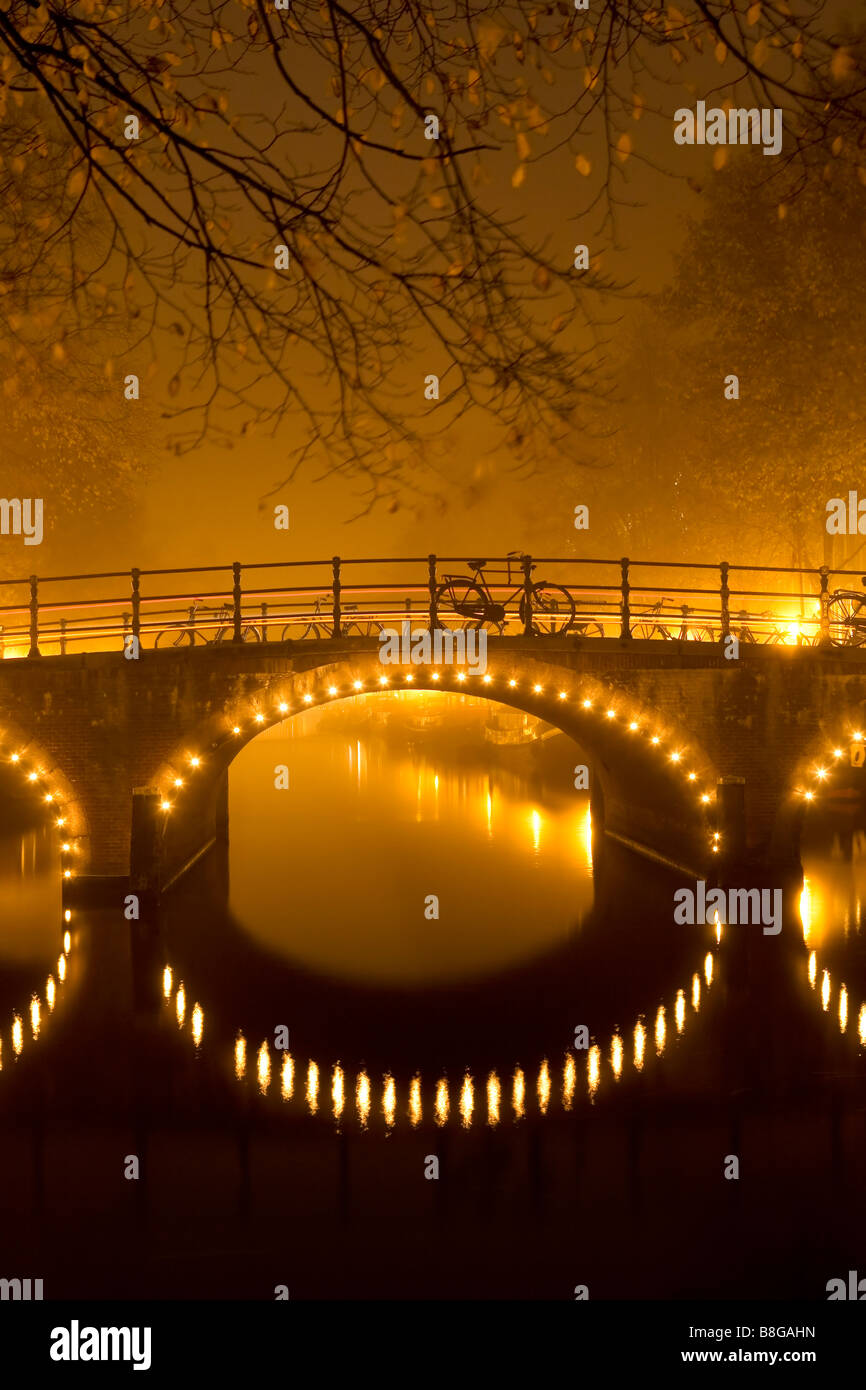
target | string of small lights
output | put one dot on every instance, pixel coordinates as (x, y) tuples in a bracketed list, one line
[(257, 716), (263, 712), (52, 988), (176, 995), (42, 784)]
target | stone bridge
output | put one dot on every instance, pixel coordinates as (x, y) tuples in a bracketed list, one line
[(690, 754)]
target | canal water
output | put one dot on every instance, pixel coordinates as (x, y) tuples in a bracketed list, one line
[(415, 946)]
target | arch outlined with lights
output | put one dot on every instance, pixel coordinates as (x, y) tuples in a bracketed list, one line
[(545, 690), (54, 792)]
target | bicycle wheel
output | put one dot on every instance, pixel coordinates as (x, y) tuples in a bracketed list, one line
[(847, 627), (588, 629), (362, 629), (647, 626), (553, 608), (175, 637), (461, 598)]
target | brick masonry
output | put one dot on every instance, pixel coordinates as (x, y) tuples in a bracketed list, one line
[(99, 725)]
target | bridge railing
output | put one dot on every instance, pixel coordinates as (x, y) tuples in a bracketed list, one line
[(294, 600)]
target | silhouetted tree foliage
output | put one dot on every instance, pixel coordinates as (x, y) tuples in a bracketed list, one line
[(306, 127)]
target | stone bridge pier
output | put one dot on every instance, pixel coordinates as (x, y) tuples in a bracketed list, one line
[(660, 724)]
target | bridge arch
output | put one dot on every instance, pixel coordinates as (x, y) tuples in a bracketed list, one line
[(656, 784), (839, 742), (63, 807)]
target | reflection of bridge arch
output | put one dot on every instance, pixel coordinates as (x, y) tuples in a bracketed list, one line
[(656, 786)]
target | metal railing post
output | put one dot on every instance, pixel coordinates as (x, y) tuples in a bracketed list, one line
[(136, 607), (63, 623), (625, 609), (825, 606), (264, 622), (526, 562), (338, 619), (433, 587), (236, 601), (34, 617), (725, 597)]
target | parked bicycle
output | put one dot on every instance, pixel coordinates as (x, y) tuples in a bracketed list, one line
[(321, 624), (847, 617), (767, 630), (650, 623), (552, 607), (189, 634)]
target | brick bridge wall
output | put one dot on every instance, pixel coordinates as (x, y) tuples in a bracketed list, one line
[(98, 726)]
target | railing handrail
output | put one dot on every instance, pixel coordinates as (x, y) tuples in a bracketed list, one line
[(813, 571)]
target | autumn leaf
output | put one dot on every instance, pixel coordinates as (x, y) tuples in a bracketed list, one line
[(75, 183), (720, 158), (174, 385), (541, 278), (582, 165), (522, 146), (753, 14), (623, 147), (842, 64), (518, 176), (720, 51)]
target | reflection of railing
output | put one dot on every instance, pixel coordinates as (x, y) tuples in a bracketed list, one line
[(295, 600)]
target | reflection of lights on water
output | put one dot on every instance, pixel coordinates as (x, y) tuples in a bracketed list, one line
[(708, 968), (587, 837), (660, 1030), (489, 813), (313, 1087), (467, 1101), (442, 1104), (696, 992), (569, 1080), (180, 1005), (362, 1098), (67, 942), (825, 990), (61, 969), (50, 991), (806, 909), (35, 1016), (389, 1101), (593, 1069), (17, 1035), (639, 1044), (197, 1024), (338, 1091), (616, 1055), (861, 1025), (287, 1077), (680, 1010), (415, 1101), (518, 1094), (543, 1087), (166, 981), (843, 1009), (263, 1068), (813, 966), (535, 822), (493, 1099), (240, 1055), (718, 924)]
